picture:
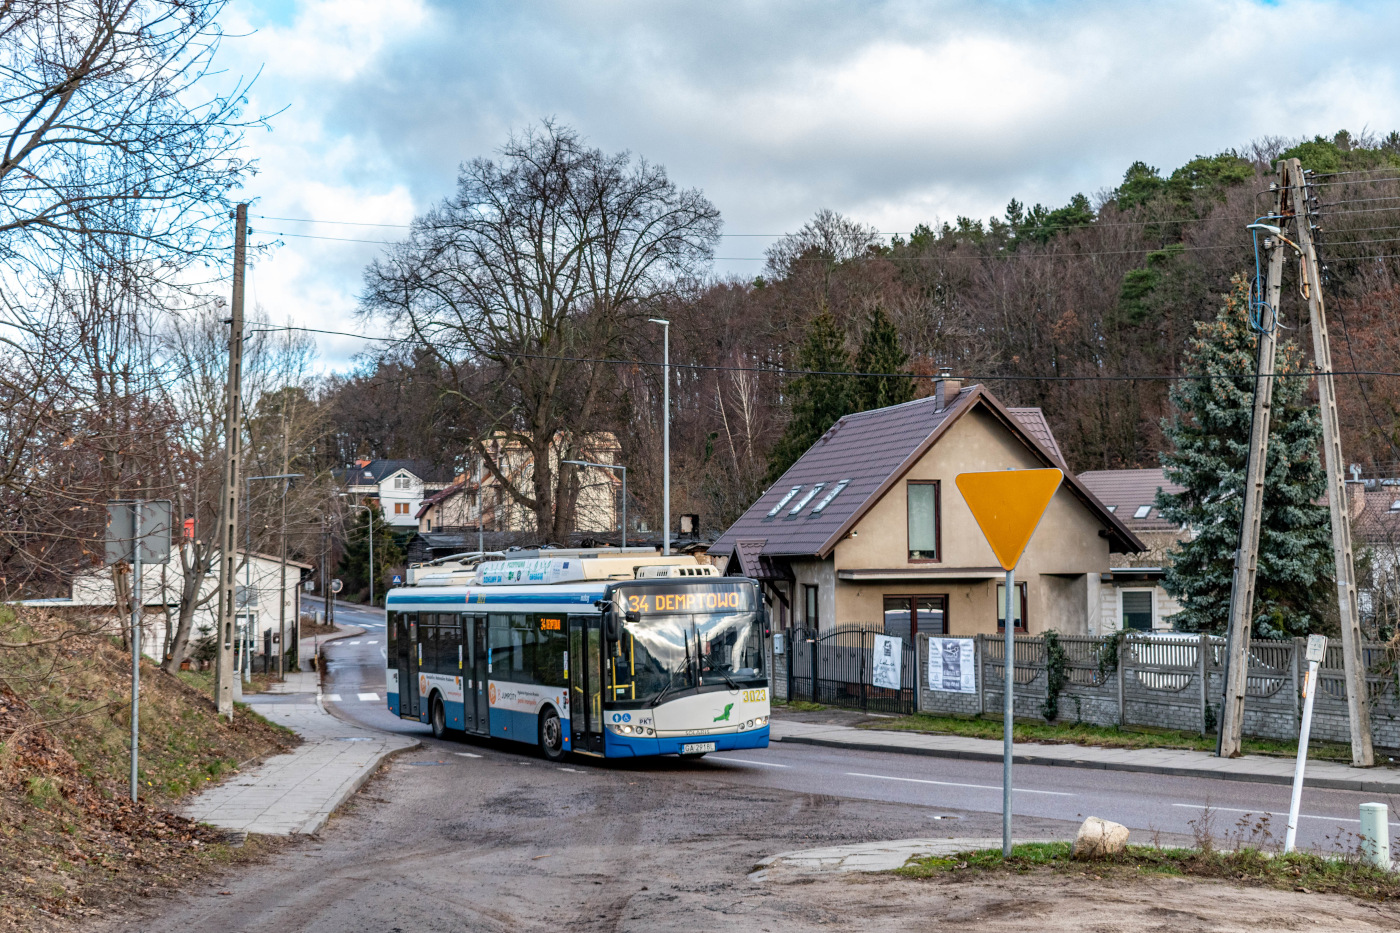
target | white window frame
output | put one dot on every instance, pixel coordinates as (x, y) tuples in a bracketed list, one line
[(1122, 613)]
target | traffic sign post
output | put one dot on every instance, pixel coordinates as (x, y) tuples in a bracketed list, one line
[(137, 531), (398, 580), (1007, 505), (1317, 649)]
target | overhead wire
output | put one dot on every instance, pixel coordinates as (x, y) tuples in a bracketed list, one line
[(785, 372)]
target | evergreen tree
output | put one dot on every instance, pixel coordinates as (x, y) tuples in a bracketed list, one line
[(880, 352), (1209, 435), (354, 561), (817, 401)]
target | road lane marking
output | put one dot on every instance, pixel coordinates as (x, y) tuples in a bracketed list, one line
[(369, 697), (745, 761), (1019, 790), (371, 642), (570, 770), (332, 697), (470, 755), (356, 642), (1301, 816)]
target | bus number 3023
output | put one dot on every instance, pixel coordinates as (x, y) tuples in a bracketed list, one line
[(755, 696)]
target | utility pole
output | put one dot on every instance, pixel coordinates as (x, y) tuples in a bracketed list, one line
[(1353, 657), (228, 503), (1247, 555), (1291, 201), (282, 582), (665, 435), (136, 645)]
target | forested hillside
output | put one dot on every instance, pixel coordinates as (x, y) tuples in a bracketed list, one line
[(1084, 309)]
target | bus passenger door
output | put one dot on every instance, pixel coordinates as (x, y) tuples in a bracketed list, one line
[(401, 652), (478, 709), (408, 691), (586, 682)]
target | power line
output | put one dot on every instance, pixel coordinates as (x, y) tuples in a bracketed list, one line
[(702, 367)]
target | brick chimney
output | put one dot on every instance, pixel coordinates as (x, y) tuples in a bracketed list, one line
[(945, 388)]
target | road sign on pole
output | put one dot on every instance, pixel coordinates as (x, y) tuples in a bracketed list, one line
[(337, 586), (1007, 505)]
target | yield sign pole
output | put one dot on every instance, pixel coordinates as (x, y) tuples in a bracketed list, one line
[(1008, 505)]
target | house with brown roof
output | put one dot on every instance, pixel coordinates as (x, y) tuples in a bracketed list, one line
[(868, 526), (1131, 590)]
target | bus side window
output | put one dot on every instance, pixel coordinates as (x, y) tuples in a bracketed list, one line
[(550, 645)]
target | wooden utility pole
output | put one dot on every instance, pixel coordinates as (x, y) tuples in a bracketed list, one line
[(1353, 657), (1247, 555), (1291, 202), (228, 502)]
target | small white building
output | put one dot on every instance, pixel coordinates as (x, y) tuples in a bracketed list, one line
[(260, 598), (399, 486)]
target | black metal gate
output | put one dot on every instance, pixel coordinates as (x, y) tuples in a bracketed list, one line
[(837, 668)]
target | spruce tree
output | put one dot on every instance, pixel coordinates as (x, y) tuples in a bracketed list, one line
[(880, 352), (1209, 436), (817, 400)]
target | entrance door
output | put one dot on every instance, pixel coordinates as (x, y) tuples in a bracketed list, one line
[(478, 709), (586, 682), (402, 648), (408, 692)]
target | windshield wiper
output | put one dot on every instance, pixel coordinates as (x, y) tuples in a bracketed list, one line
[(671, 683)]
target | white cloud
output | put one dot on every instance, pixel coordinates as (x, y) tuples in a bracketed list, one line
[(896, 113)]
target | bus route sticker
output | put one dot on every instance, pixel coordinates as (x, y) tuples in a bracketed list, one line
[(952, 666), (889, 661)]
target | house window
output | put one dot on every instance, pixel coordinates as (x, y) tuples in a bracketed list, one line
[(400, 508), (1020, 609), (401, 482), (923, 520), (907, 616), (1137, 610), (809, 607), (1143, 511)]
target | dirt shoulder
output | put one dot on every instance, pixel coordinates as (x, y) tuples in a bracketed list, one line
[(71, 842)]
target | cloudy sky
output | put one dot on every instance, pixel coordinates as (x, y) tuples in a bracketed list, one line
[(894, 113)]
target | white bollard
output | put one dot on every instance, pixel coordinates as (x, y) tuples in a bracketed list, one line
[(1375, 835)]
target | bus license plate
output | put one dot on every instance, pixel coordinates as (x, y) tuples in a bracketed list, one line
[(696, 747)]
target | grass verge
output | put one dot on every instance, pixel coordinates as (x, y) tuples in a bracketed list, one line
[(71, 841), (1102, 736), (1297, 871)]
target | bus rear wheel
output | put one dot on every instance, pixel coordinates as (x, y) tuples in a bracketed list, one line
[(551, 736), (438, 718)]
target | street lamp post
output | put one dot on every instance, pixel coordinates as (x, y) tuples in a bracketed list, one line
[(248, 566), (665, 434), (611, 466), (370, 510)]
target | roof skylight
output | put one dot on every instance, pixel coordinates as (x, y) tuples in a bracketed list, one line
[(1113, 508), (1142, 511), (783, 501), (826, 500), (807, 498)]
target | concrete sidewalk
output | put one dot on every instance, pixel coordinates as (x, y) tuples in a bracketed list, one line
[(297, 792), (1183, 762)]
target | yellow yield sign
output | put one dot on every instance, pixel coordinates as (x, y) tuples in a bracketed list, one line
[(1008, 505)]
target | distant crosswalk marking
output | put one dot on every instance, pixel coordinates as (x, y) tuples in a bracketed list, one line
[(371, 642), (470, 755), (332, 697), (355, 642), (369, 697)]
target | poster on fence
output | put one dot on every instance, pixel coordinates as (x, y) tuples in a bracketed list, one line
[(889, 662), (952, 665)]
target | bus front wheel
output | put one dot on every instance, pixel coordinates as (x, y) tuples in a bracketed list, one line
[(551, 736), (438, 718)]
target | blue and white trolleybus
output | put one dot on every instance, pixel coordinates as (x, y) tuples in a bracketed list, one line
[(601, 652)]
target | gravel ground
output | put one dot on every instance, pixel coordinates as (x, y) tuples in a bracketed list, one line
[(440, 841)]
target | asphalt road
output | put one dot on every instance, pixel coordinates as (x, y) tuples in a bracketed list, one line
[(1145, 803), (484, 835)]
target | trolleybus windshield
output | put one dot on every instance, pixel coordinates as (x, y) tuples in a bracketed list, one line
[(677, 637)]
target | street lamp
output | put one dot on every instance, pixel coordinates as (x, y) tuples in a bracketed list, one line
[(611, 466), (370, 510), (665, 435), (248, 568)]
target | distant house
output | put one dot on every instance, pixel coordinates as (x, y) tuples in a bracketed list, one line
[(1132, 593), (869, 527), (261, 598), (479, 497), (398, 486)]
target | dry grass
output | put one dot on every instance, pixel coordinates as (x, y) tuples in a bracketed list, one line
[(71, 843)]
